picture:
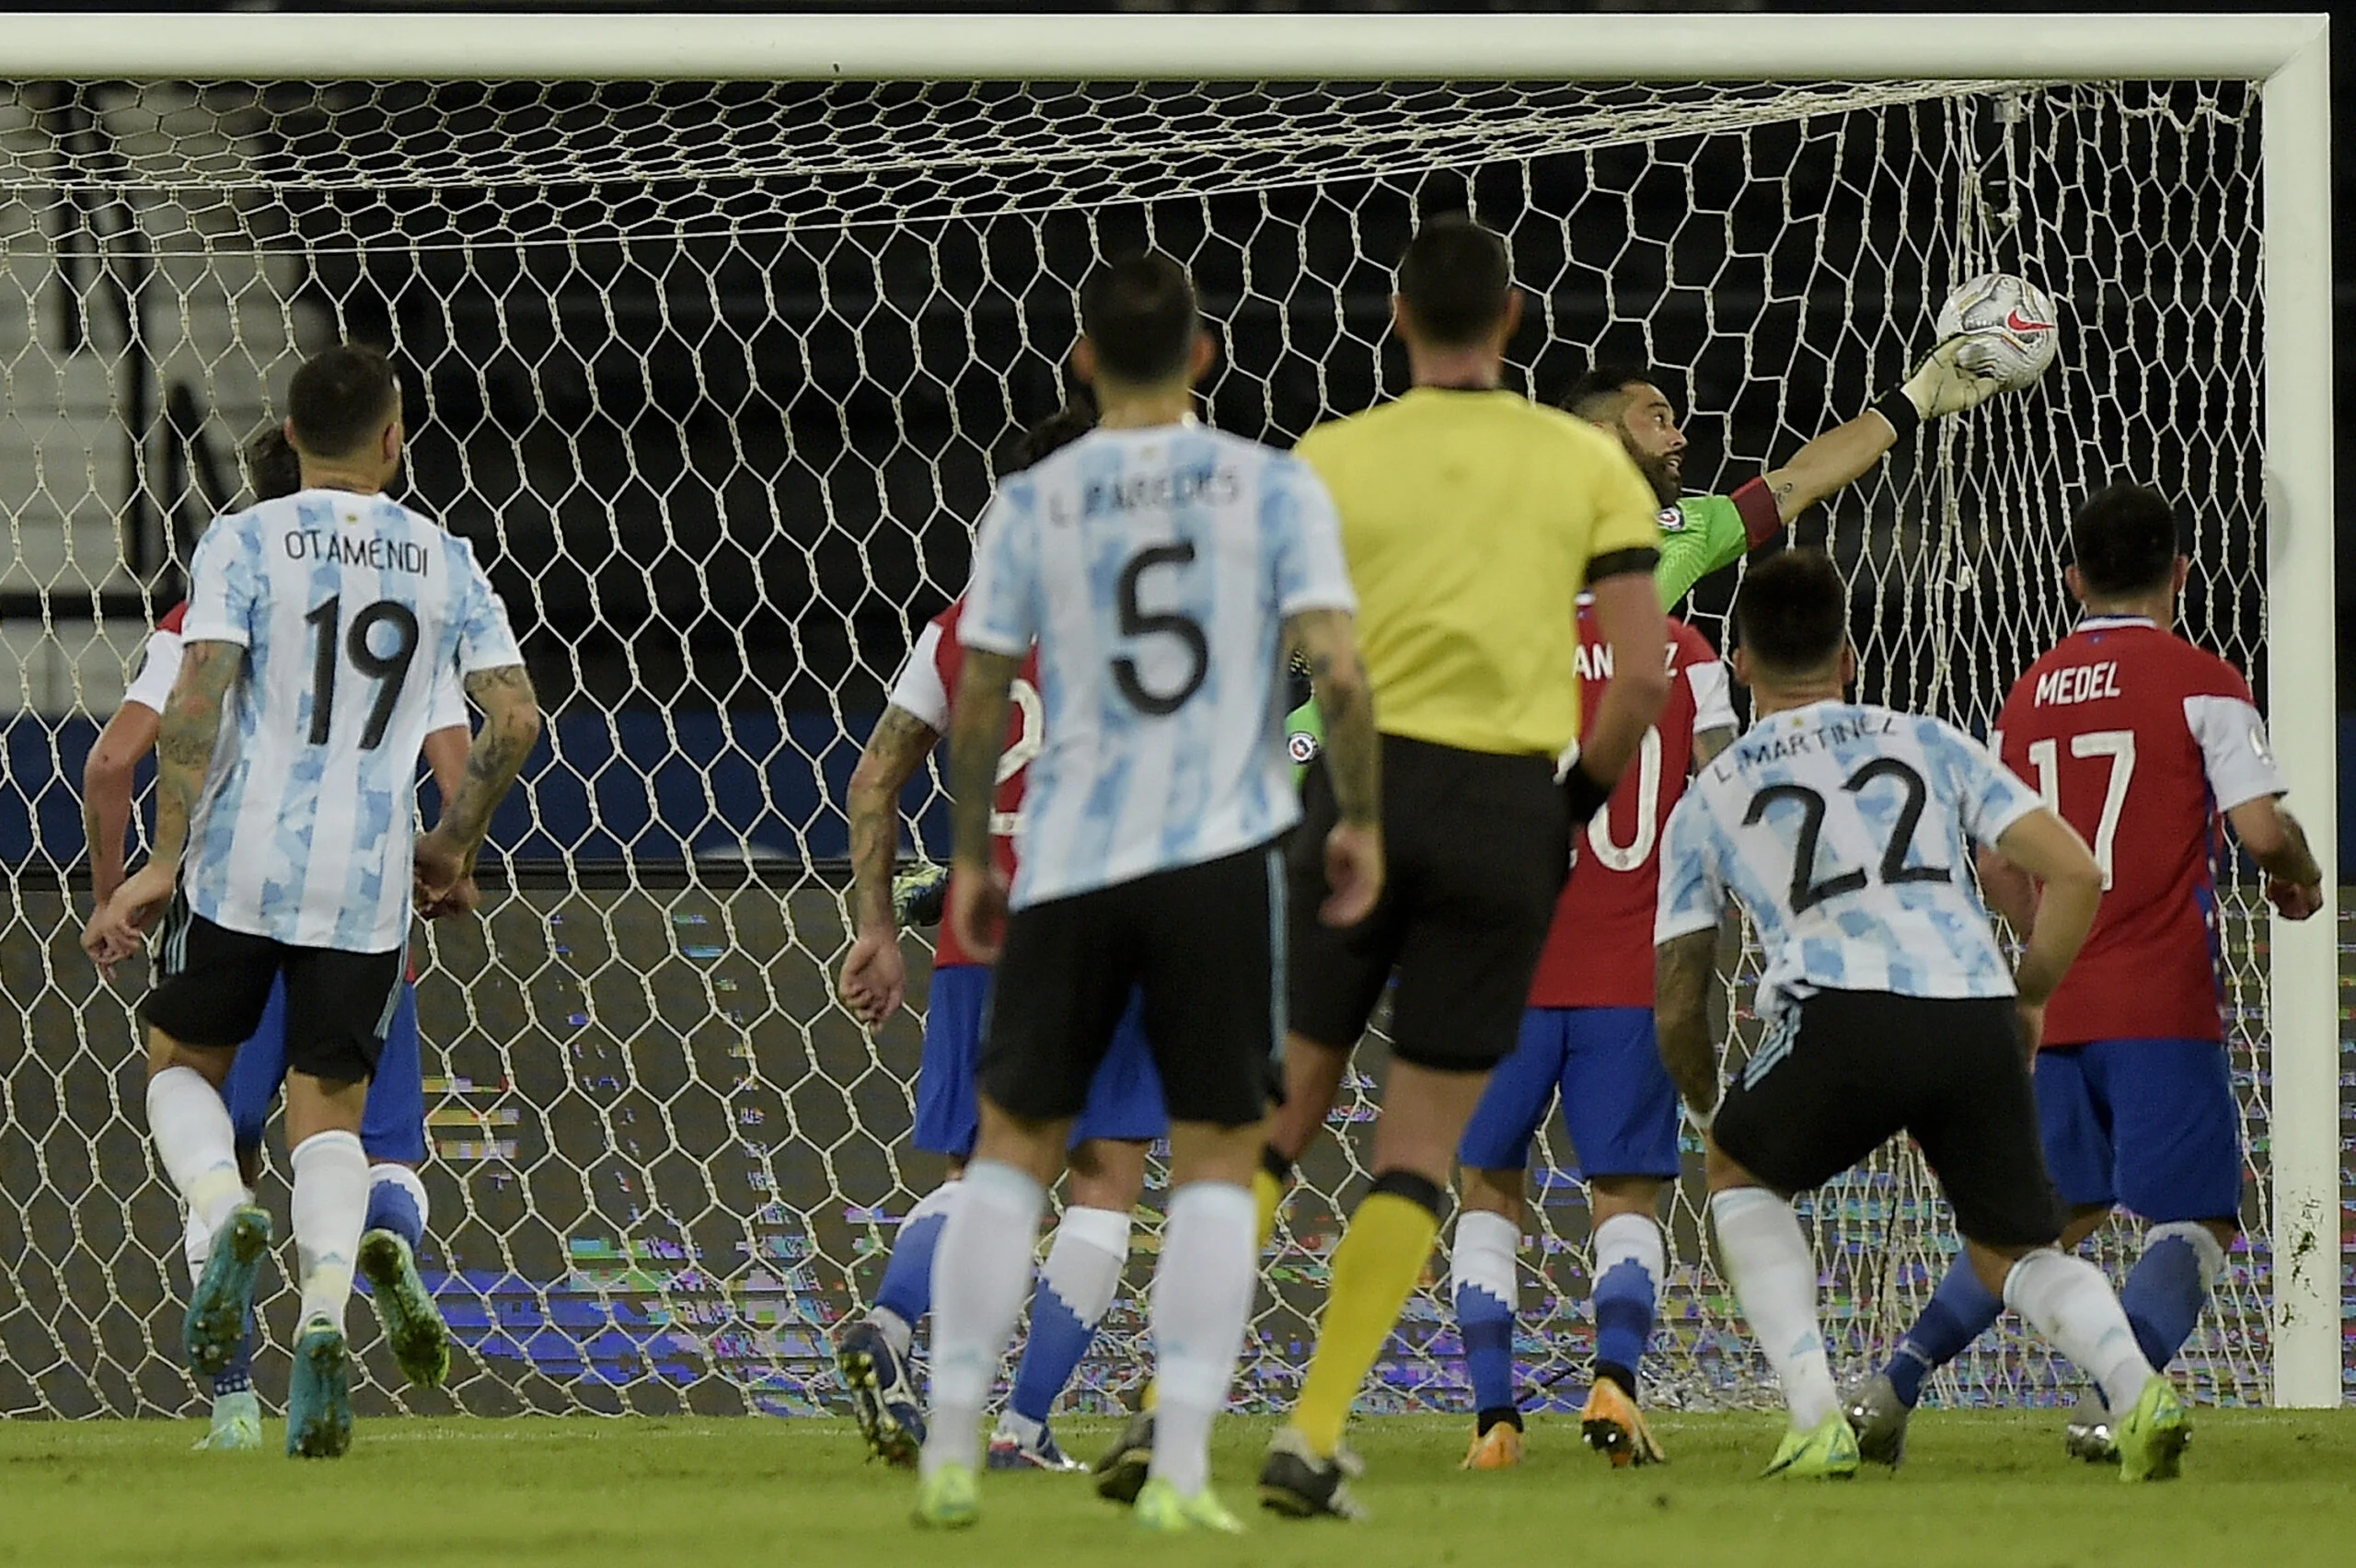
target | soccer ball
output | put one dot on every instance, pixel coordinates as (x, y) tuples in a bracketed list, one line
[(2011, 329)]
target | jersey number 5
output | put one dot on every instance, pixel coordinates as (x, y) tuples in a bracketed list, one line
[(1137, 622), (388, 670), (1806, 892)]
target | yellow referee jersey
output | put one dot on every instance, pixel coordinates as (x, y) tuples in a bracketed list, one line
[(1469, 519)]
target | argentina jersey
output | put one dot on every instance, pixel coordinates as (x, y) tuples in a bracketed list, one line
[(1155, 569), (1844, 832), (349, 607)]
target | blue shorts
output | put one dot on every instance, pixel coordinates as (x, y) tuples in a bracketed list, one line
[(393, 1125), (1617, 1100), (2150, 1126), (1124, 1099)]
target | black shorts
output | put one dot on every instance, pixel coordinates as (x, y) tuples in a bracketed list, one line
[(211, 985), (1840, 1073), (1204, 946), (1476, 847)]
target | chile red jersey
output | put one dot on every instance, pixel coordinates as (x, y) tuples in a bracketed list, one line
[(2139, 740), (1599, 952), (926, 686)]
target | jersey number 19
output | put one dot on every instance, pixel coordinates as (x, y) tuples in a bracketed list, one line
[(388, 670)]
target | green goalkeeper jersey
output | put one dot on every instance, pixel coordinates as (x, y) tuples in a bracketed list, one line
[(1698, 535)]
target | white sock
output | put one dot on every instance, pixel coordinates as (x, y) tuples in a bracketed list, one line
[(329, 1202), (1202, 1302), (1632, 1239), (1482, 1256), (2072, 1305), (1773, 1273), (1083, 1266), (980, 1274), (198, 1147)]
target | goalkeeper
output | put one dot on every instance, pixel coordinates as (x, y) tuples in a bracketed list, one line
[(1701, 534)]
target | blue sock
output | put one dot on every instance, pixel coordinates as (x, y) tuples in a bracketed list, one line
[(2164, 1297), (1624, 1321), (1486, 1324), (906, 1288), (238, 1376), (1076, 1285), (390, 1207), (1960, 1311)]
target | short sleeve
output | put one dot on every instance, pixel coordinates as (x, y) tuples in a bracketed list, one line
[(2234, 752), (1713, 700), (160, 667), (1700, 535), (918, 691), (1002, 599), (1626, 514), (224, 582), (1988, 795), (1693, 895), (449, 710), (485, 640), (1299, 517)]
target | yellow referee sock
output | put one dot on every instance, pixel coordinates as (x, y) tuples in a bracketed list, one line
[(1382, 1256), (1268, 1185)]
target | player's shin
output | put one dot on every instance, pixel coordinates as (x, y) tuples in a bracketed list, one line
[(2070, 1303), (1482, 1285), (1773, 1274), (1202, 1301), (397, 1202), (331, 1200), (980, 1274), (2169, 1286), (1076, 1285), (1630, 1257), (1960, 1311), (194, 1139), (905, 1294)]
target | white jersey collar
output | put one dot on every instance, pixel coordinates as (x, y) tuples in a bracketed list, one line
[(2106, 623)]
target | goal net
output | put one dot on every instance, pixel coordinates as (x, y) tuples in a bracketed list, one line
[(712, 375)]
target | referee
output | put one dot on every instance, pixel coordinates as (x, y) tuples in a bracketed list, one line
[(1471, 518)]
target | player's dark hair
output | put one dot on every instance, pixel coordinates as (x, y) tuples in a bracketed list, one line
[(2124, 539), (1141, 314), (339, 399), (1793, 611), (1455, 279), (1051, 434), (271, 467), (1605, 383)]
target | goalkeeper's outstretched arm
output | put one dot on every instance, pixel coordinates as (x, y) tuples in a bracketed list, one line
[(1939, 387)]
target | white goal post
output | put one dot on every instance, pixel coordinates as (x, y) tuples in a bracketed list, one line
[(2286, 56)]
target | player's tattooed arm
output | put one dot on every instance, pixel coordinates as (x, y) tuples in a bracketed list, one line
[(510, 724), (1708, 743), (976, 737), (1328, 639), (1684, 970), (895, 749), (186, 738)]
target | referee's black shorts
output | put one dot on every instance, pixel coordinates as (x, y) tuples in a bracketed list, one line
[(1477, 847), (1840, 1073)]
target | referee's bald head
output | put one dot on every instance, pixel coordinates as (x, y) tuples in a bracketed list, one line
[(1456, 286)]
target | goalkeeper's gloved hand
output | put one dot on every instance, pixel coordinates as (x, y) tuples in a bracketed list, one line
[(1956, 375), (921, 895)]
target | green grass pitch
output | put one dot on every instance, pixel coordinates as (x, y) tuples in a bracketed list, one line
[(1989, 1490)]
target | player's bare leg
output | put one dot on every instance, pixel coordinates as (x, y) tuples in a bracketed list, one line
[(1631, 1258), (1381, 1254), (329, 1204), (1076, 1285)]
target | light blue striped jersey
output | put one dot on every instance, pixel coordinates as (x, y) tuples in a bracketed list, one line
[(1844, 832), (349, 607), (1155, 568)]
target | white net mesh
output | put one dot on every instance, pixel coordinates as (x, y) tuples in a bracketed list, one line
[(711, 374)]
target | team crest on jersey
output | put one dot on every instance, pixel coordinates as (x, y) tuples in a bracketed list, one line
[(1304, 747), (1672, 520)]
